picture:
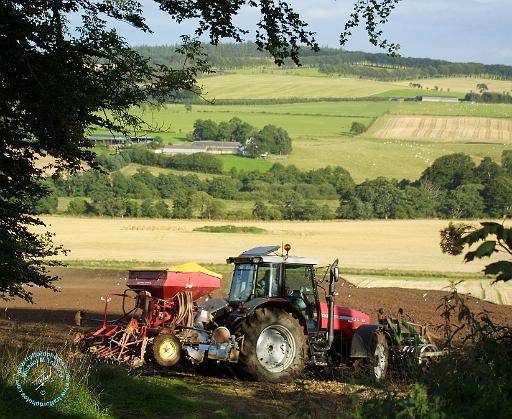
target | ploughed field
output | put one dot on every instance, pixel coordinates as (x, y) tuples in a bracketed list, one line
[(84, 289), (48, 324)]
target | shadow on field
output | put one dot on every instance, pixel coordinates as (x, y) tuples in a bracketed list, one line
[(106, 390)]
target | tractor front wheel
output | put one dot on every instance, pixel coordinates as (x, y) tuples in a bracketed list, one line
[(274, 347), (166, 349)]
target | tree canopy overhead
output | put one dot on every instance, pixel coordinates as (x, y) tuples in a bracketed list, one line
[(56, 83)]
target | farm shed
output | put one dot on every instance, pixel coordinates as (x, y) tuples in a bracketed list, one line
[(437, 99), (212, 147)]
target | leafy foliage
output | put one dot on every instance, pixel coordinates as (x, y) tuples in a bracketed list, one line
[(374, 12), (456, 237)]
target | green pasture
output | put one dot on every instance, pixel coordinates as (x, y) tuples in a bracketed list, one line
[(367, 158), (412, 93), (319, 119), (485, 110), (181, 121), (245, 163), (321, 130)]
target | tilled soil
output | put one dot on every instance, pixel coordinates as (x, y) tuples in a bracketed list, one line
[(84, 289)]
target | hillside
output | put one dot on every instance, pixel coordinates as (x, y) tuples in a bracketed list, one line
[(336, 61)]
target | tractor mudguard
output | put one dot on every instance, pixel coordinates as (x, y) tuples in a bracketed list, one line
[(217, 307), (283, 303), (362, 340)]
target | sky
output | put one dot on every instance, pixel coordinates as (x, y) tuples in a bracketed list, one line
[(455, 30)]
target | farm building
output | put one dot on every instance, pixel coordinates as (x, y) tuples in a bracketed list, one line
[(437, 99), (212, 147), (115, 140)]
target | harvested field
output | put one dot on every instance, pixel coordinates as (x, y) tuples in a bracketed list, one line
[(490, 130), (376, 244), (461, 84)]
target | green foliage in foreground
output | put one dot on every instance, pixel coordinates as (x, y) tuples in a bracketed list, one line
[(493, 238), (230, 229)]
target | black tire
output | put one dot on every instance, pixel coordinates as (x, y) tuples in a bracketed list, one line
[(378, 361), (274, 347), (166, 350)]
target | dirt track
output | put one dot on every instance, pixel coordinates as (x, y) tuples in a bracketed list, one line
[(83, 290)]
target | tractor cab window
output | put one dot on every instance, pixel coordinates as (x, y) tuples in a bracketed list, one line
[(242, 282), (268, 281), (299, 288)]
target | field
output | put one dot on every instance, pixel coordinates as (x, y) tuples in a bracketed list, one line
[(99, 390), (462, 84), (378, 244), (409, 272), (444, 129), (279, 85), (400, 249), (322, 130)]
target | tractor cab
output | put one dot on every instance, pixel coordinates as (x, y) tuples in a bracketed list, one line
[(260, 273)]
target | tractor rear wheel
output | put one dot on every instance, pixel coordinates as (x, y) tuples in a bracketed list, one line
[(274, 347), (166, 349)]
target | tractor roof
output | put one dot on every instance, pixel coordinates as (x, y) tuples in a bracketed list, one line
[(261, 254)]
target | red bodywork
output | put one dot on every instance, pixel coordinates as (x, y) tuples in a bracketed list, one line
[(166, 284), (345, 319), (126, 338)]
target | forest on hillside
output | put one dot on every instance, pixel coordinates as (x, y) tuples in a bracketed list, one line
[(376, 66)]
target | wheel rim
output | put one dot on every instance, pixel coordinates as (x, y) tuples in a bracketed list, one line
[(275, 348), (168, 350), (380, 361)]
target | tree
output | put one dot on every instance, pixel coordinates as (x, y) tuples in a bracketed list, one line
[(464, 202), (456, 237), (498, 197), (357, 128), (55, 84), (450, 171), (506, 161), (482, 87), (78, 206), (487, 170)]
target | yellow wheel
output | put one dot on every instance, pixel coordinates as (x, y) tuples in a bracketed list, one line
[(166, 350)]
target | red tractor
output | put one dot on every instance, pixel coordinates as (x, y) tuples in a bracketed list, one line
[(272, 323)]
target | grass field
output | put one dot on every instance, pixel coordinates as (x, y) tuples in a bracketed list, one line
[(367, 158), (412, 93), (320, 134), (282, 85), (396, 245), (443, 129), (318, 130)]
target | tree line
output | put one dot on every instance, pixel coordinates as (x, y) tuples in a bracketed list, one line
[(452, 187), (336, 61)]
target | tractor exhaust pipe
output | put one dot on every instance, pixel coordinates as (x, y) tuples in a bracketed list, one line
[(333, 278)]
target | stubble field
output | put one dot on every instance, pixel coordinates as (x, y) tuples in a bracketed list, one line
[(444, 129), (378, 253)]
